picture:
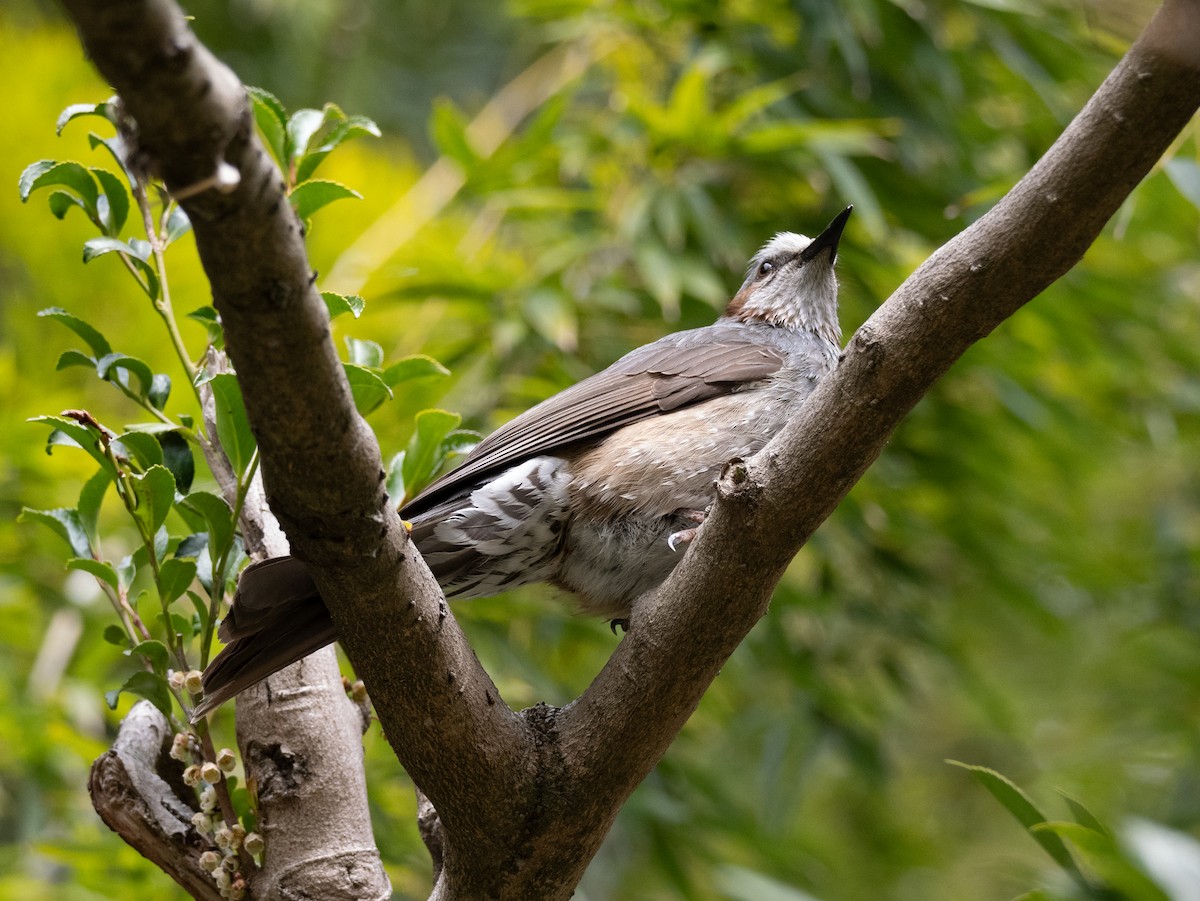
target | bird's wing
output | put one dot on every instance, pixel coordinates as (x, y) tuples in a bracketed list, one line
[(676, 371)]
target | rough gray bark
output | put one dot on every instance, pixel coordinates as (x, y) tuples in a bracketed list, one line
[(152, 814), (524, 800)]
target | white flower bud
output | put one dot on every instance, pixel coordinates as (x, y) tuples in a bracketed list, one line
[(202, 821), (226, 760), (209, 861), (192, 681), (253, 843), (191, 776), (210, 772)]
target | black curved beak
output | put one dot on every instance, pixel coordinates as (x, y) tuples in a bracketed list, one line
[(828, 239)]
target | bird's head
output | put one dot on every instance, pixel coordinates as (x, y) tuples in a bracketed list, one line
[(790, 283)]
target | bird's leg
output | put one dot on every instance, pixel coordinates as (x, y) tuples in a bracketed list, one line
[(685, 536)]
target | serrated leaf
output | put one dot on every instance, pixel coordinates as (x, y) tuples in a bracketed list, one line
[(150, 686), (311, 196), (69, 432), (91, 496), (154, 491), (116, 148), (118, 200), (73, 176), (338, 304), (335, 130), (424, 452), (216, 514), (141, 447), (301, 126), (177, 457), (367, 387), (155, 652), (417, 366), (175, 576), (77, 110), (1017, 803), (61, 203), (233, 426), (103, 571), (65, 523), (114, 634), (135, 251), (95, 340), (271, 118), (74, 358), (110, 366), (364, 353)]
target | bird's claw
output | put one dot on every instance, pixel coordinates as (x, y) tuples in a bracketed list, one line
[(622, 622)]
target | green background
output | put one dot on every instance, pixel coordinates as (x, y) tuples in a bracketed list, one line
[(1014, 584)]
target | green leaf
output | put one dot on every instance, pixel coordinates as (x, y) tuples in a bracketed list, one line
[(155, 652), (114, 634), (65, 523), (177, 457), (302, 125), (117, 198), (73, 176), (160, 390), (201, 608), (1082, 815), (150, 686), (97, 342), (74, 358), (69, 432), (127, 570), (175, 576), (367, 387), (233, 426), (271, 118), (140, 447), (135, 251), (216, 514), (61, 203), (154, 491), (417, 366), (116, 148), (178, 224), (1018, 804), (116, 367), (329, 138), (104, 110), (425, 452), (90, 499), (207, 317), (343, 303), (365, 353), (313, 195), (395, 479), (103, 571)]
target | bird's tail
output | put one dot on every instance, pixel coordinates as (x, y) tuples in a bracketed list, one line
[(276, 618)]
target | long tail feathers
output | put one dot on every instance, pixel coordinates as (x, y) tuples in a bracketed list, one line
[(277, 617)]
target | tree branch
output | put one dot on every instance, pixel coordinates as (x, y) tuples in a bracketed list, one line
[(525, 801), (391, 617), (138, 791)]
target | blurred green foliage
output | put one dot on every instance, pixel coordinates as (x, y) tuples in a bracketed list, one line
[(1014, 584)]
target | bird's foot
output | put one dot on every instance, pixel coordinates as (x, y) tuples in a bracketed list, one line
[(686, 536), (623, 623)]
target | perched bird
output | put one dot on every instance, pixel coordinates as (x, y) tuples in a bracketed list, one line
[(599, 489)]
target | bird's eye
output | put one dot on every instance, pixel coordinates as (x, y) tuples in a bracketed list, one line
[(766, 267)]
